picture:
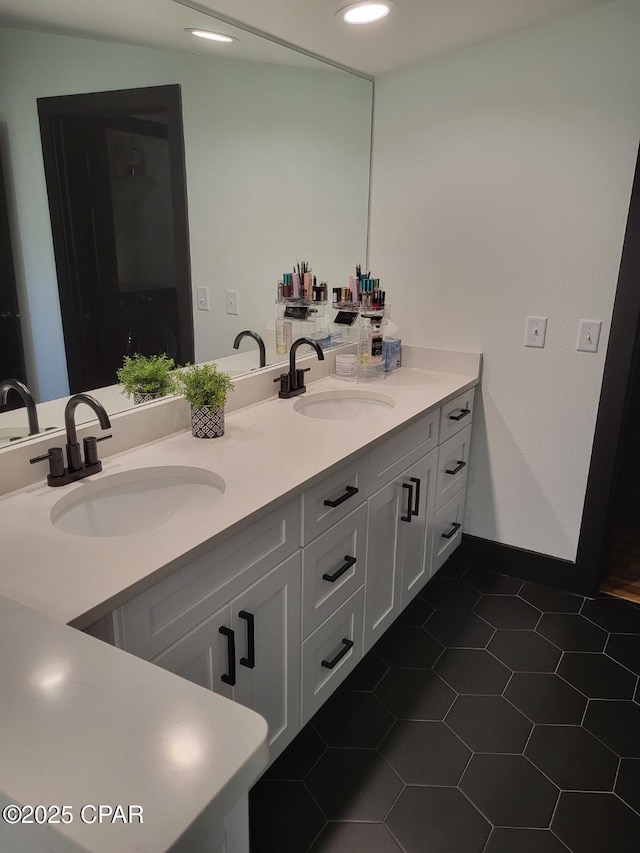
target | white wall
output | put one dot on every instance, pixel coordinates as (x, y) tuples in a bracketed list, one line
[(501, 181), (277, 161)]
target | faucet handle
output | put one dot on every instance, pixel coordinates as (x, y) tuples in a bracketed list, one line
[(91, 449), (56, 461), (285, 384)]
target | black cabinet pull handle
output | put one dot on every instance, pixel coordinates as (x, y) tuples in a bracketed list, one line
[(462, 414), (348, 562), (458, 467), (229, 677), (349, 493), (329, 664), (250, 660), (454, 529), (409, 515), (416, 508)]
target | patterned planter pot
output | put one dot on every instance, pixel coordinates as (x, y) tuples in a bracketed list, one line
[(207, 422), (139, 397)]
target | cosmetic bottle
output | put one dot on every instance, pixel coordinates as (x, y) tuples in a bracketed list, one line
[(288, 334), (281, 347)]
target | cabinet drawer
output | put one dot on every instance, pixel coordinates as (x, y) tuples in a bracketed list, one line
[(453, 466), (456, 414), (333, 498), (328, 657), (447, 530), (333, 567), (397, 453), (160, 615)]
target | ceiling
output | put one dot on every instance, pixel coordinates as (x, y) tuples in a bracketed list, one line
[(417, 29)]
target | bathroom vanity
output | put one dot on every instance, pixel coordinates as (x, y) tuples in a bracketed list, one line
[(327, 527)]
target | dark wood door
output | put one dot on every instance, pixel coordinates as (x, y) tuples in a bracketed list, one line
[(11, 351)]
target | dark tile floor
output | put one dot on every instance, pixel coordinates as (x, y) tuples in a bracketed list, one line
[(496, 716)]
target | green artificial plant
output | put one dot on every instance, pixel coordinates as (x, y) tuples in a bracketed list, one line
[(204, 385), (141, 374)]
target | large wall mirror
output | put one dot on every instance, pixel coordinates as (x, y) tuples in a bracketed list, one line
[(276, 156)]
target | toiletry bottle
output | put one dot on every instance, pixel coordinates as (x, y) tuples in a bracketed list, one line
[(281, 347), (288, 334), (364, 345), (375, 343)]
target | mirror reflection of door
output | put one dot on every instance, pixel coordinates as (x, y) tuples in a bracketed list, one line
[(11, 353), (114, 163)]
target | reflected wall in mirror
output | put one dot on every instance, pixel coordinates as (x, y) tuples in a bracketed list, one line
[(277, 159)]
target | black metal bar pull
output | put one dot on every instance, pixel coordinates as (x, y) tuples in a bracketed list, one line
[(250, 660), (348, 562), (329, 664), (230, 676), (462, 414), (350, 491), (416, 508), (454, 529), (409, 515), (461, 464)]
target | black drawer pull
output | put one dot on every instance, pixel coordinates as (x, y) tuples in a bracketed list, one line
[(454, 529), (348, 562), (349, 493), (250, 660), (416, 508), (462, 414), (329, 664), (229, 677), (458, 467), (408, 516)]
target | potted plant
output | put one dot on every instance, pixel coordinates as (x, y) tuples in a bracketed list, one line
[(147, 377), (206, 389)]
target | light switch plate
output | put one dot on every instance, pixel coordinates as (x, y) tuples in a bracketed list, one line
[(589, 335), (202, 296), (535, 332), (232, 302)]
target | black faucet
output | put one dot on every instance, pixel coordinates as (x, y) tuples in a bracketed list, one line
[(32, 416), (292, 383), (256, 337), (76, 468)]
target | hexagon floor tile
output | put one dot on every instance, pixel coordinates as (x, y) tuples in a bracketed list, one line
[(353, 784), (438, 820), (425, 753), (524, 651), (510, 791), (503, 611), (597, 676), (489, 724), (546, 698), (596, 823), (455, 736), (473, 671), (572, 632), (572, 758), (415, 694)]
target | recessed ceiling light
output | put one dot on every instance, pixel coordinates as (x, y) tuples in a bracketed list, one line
[(209, 34), (366, 11)]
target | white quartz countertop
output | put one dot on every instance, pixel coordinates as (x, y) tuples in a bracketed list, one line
[(85, 724), (269, 451)]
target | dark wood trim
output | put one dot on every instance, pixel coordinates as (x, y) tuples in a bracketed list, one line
[(612, 419), (520, 563)]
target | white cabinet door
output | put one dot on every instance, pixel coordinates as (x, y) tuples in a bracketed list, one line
[(399, 545), (266, 624), (384, 574), (416, 535), (204, 655)]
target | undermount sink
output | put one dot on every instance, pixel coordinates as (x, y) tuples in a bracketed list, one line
[(343, 405), (137, 501)]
